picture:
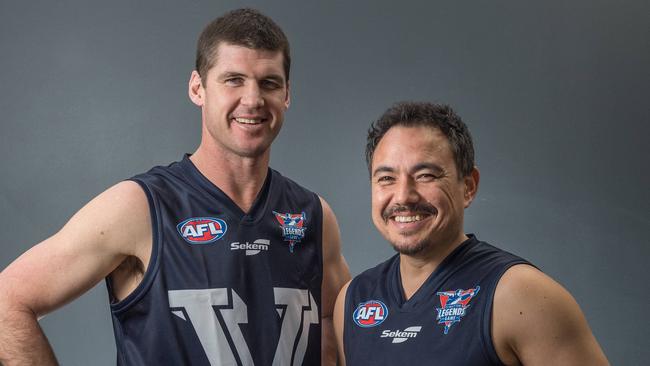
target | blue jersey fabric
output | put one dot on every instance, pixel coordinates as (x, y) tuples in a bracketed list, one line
[(224, 287), (446, 322)]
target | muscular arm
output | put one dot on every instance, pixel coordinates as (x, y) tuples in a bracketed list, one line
[(335, 274), (93, 243), (537, 322)]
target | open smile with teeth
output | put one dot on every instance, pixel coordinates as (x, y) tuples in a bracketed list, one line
[(249, 121), (412, 218)]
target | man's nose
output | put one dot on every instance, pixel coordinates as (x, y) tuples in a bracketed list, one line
[(252, 96), (406, 191)]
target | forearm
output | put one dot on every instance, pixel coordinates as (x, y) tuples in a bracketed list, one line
[(22, 341)]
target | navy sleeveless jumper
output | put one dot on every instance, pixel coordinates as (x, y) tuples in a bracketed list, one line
[(224, 287), (446, 322)]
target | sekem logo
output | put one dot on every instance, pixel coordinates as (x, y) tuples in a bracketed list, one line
[(400, 336), (251, 249)]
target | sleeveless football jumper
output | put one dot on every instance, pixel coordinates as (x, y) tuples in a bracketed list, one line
[(224, 287), (446, 322)]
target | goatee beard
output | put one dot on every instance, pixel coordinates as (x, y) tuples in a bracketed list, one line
[(409, 249)]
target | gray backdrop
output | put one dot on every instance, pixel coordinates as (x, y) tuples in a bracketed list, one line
[(555, 93)]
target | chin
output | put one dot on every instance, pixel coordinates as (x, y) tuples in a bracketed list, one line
[(409, 248), (252, 151)]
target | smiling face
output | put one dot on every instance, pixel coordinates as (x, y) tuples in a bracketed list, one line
[(243, 99), (418, 199)]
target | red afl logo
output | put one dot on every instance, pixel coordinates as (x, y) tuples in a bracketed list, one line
[(370, 313), (202, 230)]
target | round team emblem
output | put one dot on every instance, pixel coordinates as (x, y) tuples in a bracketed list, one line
[(370, 313), (202, 230)]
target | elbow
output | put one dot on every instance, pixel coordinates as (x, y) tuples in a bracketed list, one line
[(12, 310)]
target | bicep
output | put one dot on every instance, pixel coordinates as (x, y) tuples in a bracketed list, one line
[(85, 250), (335, 269), (540, 323)]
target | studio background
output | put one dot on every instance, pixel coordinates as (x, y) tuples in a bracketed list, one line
[(555, 94)]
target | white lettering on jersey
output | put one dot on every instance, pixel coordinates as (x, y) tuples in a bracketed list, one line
[(198, 305), (299, 306), (400, 336), (297, 309), (251, 249)]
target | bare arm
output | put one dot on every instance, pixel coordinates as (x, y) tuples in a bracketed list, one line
[(335, 274), (91, 245), (537, 322), (339, 314)]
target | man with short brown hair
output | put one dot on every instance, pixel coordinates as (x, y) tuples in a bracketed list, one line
[(213, 260)]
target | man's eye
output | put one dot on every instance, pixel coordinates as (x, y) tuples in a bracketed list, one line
[(426, 177), (234, 81), (385, 179), (270, 84)]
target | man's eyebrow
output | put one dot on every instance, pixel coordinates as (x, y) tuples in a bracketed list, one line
[(428, 166), (382, 169), (230, 74)]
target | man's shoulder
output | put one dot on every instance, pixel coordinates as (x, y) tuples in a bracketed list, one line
[(535, 318), (160, 172), (518, 277), (523, 289), (165, 179)]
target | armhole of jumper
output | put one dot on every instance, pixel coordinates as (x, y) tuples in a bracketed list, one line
[(486, 323), (319, 247), (347, 305), (152, 269)]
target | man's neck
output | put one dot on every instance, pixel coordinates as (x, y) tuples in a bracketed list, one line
[(241, 178), (416, 269)]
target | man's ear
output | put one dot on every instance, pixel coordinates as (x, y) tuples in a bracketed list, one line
[(287, 99), (471, 186), (195, 89)]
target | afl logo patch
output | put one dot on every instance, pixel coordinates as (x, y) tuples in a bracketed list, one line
[(202, 230), (370, 313)]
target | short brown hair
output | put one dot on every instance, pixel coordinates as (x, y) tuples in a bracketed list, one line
[(241, 27)]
